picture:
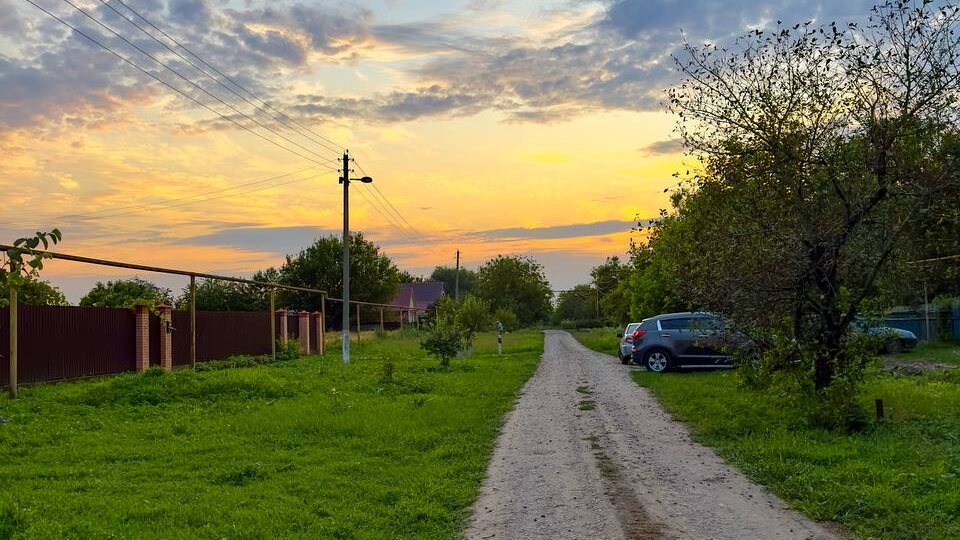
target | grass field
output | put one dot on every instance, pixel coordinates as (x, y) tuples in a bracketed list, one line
[(899, 479), (603, 340), (306, 448), (942, 351)]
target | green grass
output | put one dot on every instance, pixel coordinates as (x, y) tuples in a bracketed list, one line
[(899, 479), (299, 449), (942, 351), (603, 340)]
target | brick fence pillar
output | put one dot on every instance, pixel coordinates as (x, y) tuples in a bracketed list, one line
[(142, 328), (304, 320), (166, 337), (282, 313)]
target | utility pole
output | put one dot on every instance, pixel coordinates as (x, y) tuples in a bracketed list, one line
[(457, 279), (345, 180)]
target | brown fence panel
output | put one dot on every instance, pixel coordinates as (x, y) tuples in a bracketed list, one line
[(314, 333), (181, 338), (221, 334), (293, 327), (4, 346), (65, 342), (154, 339)]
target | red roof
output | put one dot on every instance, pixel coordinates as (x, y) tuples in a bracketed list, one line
[(422, 294)]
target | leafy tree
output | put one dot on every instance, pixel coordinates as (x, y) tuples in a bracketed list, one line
[(32, 292), (21, 269), (448, 275), (610, 279), (474, 313), (508, 318), (373, 276), (515, 283), (444, 338), (820, 148), (652, 287), (578, 303), (220, 295), (125, 293), (407, 277)]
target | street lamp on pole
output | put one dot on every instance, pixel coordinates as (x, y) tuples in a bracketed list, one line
[(345, 180)]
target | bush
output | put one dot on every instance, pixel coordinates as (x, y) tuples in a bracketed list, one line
[(474, 313), (508, 318), (289, 350), (444, 338)]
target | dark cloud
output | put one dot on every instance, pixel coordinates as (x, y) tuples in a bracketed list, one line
[(659, 148), (557, 232), (619, 61), (279, 240)]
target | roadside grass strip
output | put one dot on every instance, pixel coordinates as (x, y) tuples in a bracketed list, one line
[(898, 479), (602, 340), (392, 446)]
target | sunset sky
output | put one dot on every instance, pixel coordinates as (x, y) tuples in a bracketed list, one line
[(492, 126)]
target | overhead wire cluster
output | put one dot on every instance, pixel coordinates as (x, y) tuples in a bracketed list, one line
[(228, 99)]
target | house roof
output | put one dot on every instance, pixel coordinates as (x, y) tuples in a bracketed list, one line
[(422, 295)]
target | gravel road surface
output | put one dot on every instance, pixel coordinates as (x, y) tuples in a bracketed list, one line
[(589, 454)]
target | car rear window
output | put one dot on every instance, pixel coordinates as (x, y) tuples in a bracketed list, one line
[(630, 328), (675, 324)]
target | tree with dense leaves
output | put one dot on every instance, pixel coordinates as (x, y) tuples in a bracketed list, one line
[(32, 292), (126, 293), (221, 295), (373, 276), (576, 304), (515, 283), (448, 275), (820, 147), (611, 280)]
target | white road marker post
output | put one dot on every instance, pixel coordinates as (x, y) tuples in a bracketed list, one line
[(499, 338)]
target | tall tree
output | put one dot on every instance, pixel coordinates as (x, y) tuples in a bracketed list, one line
[(125, 293), (448, 275), (576, 304), (373, 276), (820, 148), (515, 283), (32, 292), (220, 295), (610, 279)]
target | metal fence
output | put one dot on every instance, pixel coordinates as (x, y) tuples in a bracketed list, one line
[(69, 342)]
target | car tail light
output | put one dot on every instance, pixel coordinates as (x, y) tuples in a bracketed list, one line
[(629, 339), (638, 334)]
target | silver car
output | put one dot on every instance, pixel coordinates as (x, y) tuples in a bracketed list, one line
[(626, 342)]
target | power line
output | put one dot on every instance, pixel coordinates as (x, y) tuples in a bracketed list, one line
[(189, 203), (389, 206), (195, 85), (392, 222), (226, 77), (165, 83), (81, 215), (211, 77)]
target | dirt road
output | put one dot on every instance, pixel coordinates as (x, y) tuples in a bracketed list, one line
[(588, 454)]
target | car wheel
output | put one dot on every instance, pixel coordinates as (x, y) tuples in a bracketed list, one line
[(657, 361), (624, 360), (895, 346)]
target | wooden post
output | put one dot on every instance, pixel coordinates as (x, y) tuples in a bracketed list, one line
[(401, 324), (322, 338), (358, 323), (382, 330), (879, 405), (13, 342), (273, 323), (193, 321)]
